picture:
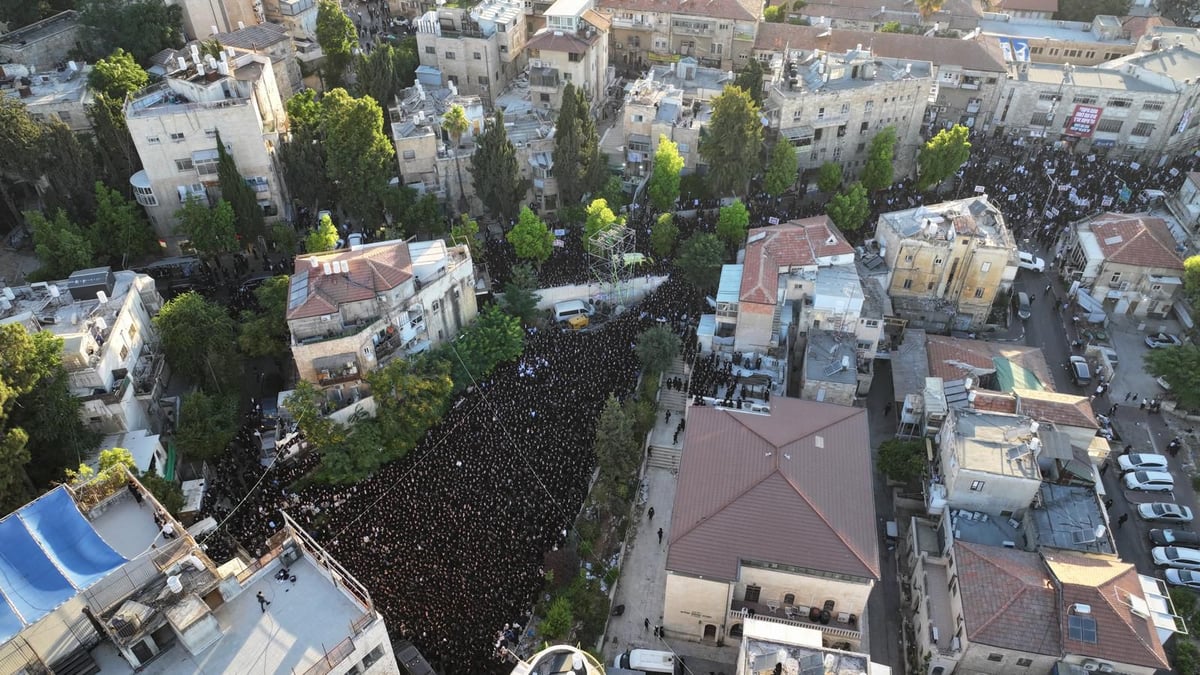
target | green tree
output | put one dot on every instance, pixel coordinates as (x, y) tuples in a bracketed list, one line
[(657, 348), (901, 460), (113, 463), (466, 231), (210, 230), (781, 168), (1191, 279), (829, 177), (14, 484), (731, 142), (877, 174), (1086, 10), (613, 192), (360, 158), (616, 448), (168, 493), (579, 168), (496, 171), (494, 338), (247, 214), (61, 245), (337, 37), (1180, 367), (455, 124), (304, 171), (411, 212), (732, 223), (112, 147), (891, 27), (306, 406), (386, 70), (849, 209), (304, 114), (530, 238), (663, 187), (412, 396), (206, 356), (20, 13), (1185, 657), (265, 332), (663, 235), (67, 169), (1180, 12), (117, 75), (519, 299), (142, 27), (559, 619), (19, 139), (600, 218), (323, 237), (772, 14), (207, 423), (942, 155), (751, 80), (120, 230), (700, 259)]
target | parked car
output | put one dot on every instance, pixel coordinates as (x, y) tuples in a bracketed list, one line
[(355, 239), (1176, 556), (1029, 261), (1187, 578), (1024, 307), (1172, 537), (1162, 382), (1160, 340), (1164, 512), (1143, 461), (1081, 372), (1149, 481)]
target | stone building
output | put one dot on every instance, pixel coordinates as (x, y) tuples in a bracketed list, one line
[(42, 44), (719, 34), (1050, 41), (299, 16), (203, 18), (60, 94), (479, 49), (871, 15), (671, 101), (572, 48)]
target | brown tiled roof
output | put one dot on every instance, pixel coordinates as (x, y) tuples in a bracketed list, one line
[(1051, 406), (955, 358), (1105, 583), (868, 10), (796, 243), (717, 9), (1137, 26), (1008, 599), (597, 19), (1140, 240), (983, 53), (373, 269), (763, 487), (993, 401), (1030, 5)]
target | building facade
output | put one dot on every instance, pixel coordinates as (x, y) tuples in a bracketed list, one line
[(1050, 41), (480, 50), (42, 44), (203, 18), (646, 33), (298, 16), (571, 49), (62, 94)]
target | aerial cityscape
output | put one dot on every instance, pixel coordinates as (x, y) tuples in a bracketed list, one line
[(599, 337)]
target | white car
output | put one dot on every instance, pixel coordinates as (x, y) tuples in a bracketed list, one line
[(1177, 557), (1164, 512), (1029, 261), (1183, 578), (1144, 461), (1149, 481)]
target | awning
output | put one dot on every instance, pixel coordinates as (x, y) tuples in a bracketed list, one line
[(639, 138), (793, 133), (1155, 279), (205, 155)]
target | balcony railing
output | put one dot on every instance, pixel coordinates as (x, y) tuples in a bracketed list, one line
[(792, 616), (632, 24), (549, 81)]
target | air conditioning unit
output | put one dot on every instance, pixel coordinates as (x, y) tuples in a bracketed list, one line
[(619, 45), (1090, 665), (1107, 668)]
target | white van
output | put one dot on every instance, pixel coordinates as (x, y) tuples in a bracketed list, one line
[(568, 308), (647, 661)]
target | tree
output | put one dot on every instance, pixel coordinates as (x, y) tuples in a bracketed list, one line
[(1181, 12), (142, 27), (559, 619), (496, 171), (781, 168), (303, 164), (928, 8), (849, 209), (494, 338), (207, 423), (1185, 657), (616, 446), (1086, 10), (657, 348), (247, 214), (942, 155), (60, 244), (265, 332), (112, 147), (700, 259), (877, 174), (466, 231), (731, 142), (530, 238), (600, 218), (1180, 367), (579, 167), (112, 463), (663, 187), (360, 157), (19, 139), (168, 493), (732, 223), (519, 299), (120, 230), (455, 124), (386, 70), (663, 235), (773, 14), (202, 355), (412, 396), (751, 80), (1191, 279), (209, 229), (891, 27), (337, 37), (306, 406), (613, 192), (901, 460), (117, 75), (20, 13), (412, 212), (323, 237), (304, 114), (14, 490), (829, 177), (68, 171)]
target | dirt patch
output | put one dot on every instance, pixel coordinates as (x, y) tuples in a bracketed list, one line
[(16, 265)]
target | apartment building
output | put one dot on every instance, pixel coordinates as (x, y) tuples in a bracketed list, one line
[(298, 16), (479, 49), (270, 39), (1050, 41), (571, 48), (202, 18), (946, 262), (60, 94), (719, 34), (671, 101), (42, 44), (110, 346), (174, 125), (871, 15), (767, 645), (1028, 9), (353, 310)]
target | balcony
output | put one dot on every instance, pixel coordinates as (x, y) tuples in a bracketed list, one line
[(842, 627), (543, 77), (631, 24), (941, 616), (111, 397), (336, 369), (974, 106), (705, 30), (336, 331)]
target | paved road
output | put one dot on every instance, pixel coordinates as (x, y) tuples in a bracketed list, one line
[(883, 624)]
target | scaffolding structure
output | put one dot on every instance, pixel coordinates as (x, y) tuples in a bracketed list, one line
[(613, 261)]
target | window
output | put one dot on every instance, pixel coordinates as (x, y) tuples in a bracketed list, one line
[(907, 284), (1047, 96), (184, 164), (124, 352), (483, 80), (372, 657), (567, 77), (995, 657), (133, 331), (1041, 119), (862, 129), (544, 98), (985, 267), (1143, 129), (908, 258), (817, 133), (477, 56), (145, 196), (820, 113), (937, 261), (752, 593), (789, 598), (210, 133), (450, 56), (153, 140), (869, 106), (503, 49), (978, 292), (1085, 100), (1152, 105), (430, 50), (929, 286), (177, 137), (64, 116), (1116, 278), (1024, 663), (841, 130), (1081, 628), (861, 147), (639, 118), (977, 486), (1120, 102), (845, 108), (207, 167), (1110, 126), (574, 57), (410, 154)]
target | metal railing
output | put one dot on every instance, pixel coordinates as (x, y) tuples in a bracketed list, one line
[(332, 658)]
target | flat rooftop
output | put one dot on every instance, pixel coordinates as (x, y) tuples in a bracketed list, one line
[(1071, 517), (831, 357), (995, 443), (42, 29), (128, 527), (1070, 31), (973, 216), (762, 655), (987, 529), (1085, 76)]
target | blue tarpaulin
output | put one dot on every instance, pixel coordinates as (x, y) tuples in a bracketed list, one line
[(48, 553)]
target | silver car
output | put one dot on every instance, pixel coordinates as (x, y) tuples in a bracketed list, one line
[(1164, 512)]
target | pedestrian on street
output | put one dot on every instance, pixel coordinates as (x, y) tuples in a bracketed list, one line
[(1121, 521), (660, 535), (650, 513), (1128, 394), (1112, 412), (887, 409), (1047, 289), (1128, 449), (1104, 467), (646, 623), (1144, 404), (1108, 503)]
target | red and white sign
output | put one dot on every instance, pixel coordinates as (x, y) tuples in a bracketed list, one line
[(1083, 121)]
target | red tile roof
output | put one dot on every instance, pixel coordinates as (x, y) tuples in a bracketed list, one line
[(1140, 240), (373, 269), (796, 243), (1106, 584), (791, 487), (983, 53), (955, 358), (1030, 5), (1008, 599), (1050, 406), (994, 401), (718, 9), (1137, 26)]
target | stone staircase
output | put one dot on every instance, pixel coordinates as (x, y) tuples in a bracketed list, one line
[(662, 453)]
